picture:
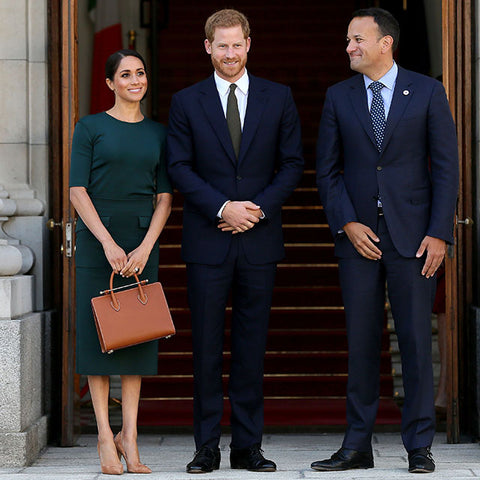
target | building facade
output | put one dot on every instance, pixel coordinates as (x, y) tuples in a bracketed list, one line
[(39, 62)]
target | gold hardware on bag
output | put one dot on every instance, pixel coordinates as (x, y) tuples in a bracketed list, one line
[(131, 316)]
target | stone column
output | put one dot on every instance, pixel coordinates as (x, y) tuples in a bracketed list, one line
[(24, 315)]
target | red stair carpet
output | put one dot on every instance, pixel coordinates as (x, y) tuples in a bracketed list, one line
[(301, 44)]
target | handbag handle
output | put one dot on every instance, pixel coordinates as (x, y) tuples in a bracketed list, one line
[(142, 297)]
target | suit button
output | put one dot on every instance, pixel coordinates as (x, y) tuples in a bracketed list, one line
[(239, 177), (379, 169)]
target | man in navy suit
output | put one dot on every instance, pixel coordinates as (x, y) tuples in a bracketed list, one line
[(387, 173), (234, 152)]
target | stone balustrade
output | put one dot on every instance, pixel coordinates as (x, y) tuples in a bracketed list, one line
[(16, 201)]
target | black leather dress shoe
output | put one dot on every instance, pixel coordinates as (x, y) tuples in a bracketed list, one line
[(420, 460), (251, 458), (205, 460), (344, 459)]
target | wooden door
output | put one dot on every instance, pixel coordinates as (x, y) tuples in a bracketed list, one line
[(457, 55), (457, 77), (63, 108)]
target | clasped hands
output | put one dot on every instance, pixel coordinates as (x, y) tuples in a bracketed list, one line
[(364, 239), (126, 265), (238, 217)]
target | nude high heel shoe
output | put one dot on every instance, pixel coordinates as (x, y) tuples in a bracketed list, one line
[(133, 465), (116, 469)]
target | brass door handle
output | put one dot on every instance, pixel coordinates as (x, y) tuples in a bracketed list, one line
[(51, 224)]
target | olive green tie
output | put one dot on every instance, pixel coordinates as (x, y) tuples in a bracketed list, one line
[(233, 119)]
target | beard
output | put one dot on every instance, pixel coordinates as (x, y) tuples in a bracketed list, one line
[(226, 71)]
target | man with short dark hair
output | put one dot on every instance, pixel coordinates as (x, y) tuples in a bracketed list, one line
[(387, 173), (234, 152)]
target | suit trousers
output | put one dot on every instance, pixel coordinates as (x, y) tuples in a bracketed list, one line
[(411, 298), (209, 287)]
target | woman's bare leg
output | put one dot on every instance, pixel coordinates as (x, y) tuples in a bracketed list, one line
[(126, 440), (99, 386)]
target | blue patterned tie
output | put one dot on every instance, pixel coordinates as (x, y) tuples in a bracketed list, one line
[(377, 112)]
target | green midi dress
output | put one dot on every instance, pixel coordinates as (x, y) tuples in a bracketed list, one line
[(122, 166)]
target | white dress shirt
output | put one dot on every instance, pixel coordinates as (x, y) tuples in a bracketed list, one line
[(389, 80), (241, 92)]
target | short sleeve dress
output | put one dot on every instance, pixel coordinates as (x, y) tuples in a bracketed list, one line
[(122, 166)]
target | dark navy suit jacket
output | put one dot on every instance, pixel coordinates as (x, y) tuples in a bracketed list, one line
[(202, 165), (416, 175)]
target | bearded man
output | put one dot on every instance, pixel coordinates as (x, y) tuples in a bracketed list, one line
[(234, 152)]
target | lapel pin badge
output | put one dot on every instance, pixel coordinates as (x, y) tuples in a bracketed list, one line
[(406, 92)]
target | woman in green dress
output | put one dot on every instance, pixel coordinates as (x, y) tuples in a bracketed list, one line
[(120, 190)]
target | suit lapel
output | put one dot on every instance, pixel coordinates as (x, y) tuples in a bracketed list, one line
[(212, 107), (256, 102), (358, 97), (402, 95)]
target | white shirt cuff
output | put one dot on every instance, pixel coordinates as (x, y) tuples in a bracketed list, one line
[(219, 214)]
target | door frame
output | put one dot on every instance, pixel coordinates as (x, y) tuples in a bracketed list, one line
[(63, 114), (458, 80), (63, 109)]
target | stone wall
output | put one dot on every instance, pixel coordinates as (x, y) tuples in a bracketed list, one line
[(24, 282), (23, 425)]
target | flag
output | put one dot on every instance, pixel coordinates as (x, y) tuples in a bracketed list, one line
[(108, 39)]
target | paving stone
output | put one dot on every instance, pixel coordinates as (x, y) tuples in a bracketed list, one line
[(167, 455)]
